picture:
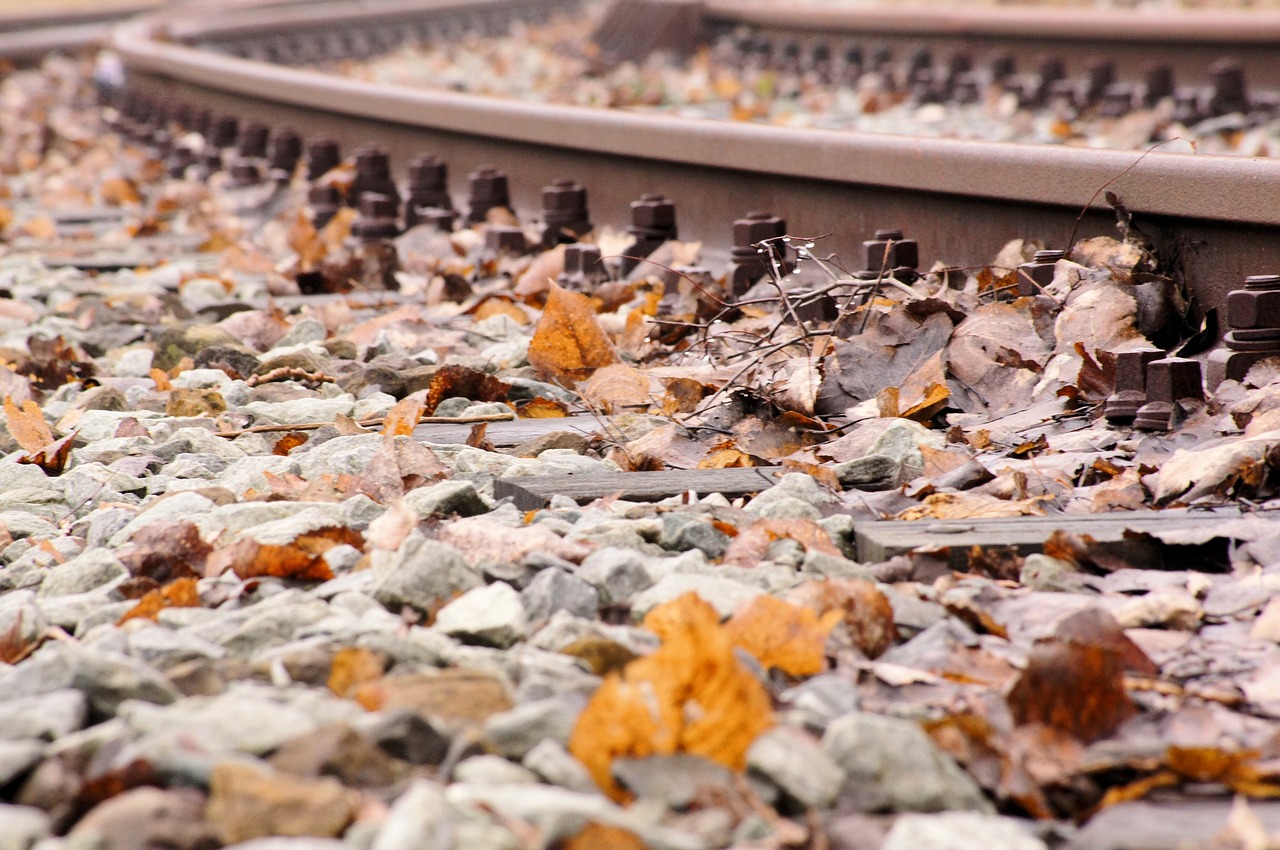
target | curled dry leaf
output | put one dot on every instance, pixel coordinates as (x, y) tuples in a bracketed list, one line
[(596, 836), (403, 417), (454, 381), (180, 593), (751, 546), (53, 457), (858, 605), (779, 634), (165, 551), (972, 506), (542, 408), (27, 425), (615, 387), (352, 667), (303, 559), (1074, 681), (568, 344), (690, 696)]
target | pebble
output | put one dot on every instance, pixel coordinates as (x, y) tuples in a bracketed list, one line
[(960, 831), (490, 615), (891, 763), (555, 589)]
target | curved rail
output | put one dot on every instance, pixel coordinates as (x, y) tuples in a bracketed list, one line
[(961, 200), (28, 36)]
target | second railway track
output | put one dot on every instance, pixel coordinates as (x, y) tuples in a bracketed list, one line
[(961, 200)]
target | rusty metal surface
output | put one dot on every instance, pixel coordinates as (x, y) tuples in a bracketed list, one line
[(961, 200)]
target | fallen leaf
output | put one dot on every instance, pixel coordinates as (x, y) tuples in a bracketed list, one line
[(596, 836), (779, 634), (352, 667), (451, 694), (542, 408), (1074, 681), (453, 381), (302, 560), (865, 614), (399, 465), (165, 551), (692, 695), (53, 457), (568, 344), (602, 655), (27, 425), (403, 417), (616, 387), (751, 546), (683, 395), (972, 506), (180, 593)]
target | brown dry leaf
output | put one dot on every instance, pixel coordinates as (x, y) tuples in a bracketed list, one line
[(494, 306), (602, 655), (165, 551), (751, 546), (180, 593), (542, 408), (352, 667), (119, 191), (568, 344), (399, 465), (893, 348), (53, 457), (541, 273), (451, 694), (596, 836), (27, 425), (616, 387), (288, 442), (161, 378), (1074, 681), (390, 529), (727, 455), (973, 506), (661, 448), (683, 395), (865, 612), (483, 541), (303, 559), (403, 417), (782, 635), (41, 227), (460, 381), (935, 398), (690, 696)]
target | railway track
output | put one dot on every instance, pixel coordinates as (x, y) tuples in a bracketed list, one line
[(960, 200), (28, 36)]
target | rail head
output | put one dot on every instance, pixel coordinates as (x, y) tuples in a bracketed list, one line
[(1230, 189)]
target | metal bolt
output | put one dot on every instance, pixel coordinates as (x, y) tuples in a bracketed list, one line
[(1172, 383), (428, 189), (583, 268), (1157, 83), (377, 219), (325, 201), (889, 253), (373, 175), (323, 155), (564, 209), (223, 131), (252, 140), (489, 189), (747, 262), (1227, 91), (244, 172), (1130, 392), (653, 221), (1034, 276), (1254, 316), (501, 239), (285, 150)]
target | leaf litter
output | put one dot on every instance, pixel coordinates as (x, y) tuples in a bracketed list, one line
[(1076, 685)]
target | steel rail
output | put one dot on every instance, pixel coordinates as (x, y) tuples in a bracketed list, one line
[(961, 200), (27, 37)]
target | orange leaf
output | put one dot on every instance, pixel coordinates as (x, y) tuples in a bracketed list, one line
[(119, 191), (595, 836), (161, 377), (500, 307), (403, 417), (690, 696), (730, 457), (53, 457), (752, 544), (27, 425), (568, 343), (353, 666), (180, 593), (783, 635), (923, 411), (542, 408), (615, 387), (452, 381)]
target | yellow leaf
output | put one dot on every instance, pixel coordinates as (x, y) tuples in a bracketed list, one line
[(935, 396), (690, 696), (568, 344), (403, 417), (783, 635), (27, 425), (352, 667)]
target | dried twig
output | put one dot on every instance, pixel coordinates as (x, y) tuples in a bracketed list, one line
[(369, 423)]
